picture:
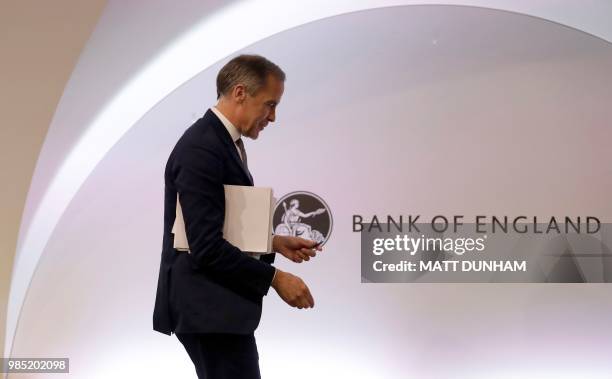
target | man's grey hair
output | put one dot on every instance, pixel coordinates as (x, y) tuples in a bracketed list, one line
[(251, 71)]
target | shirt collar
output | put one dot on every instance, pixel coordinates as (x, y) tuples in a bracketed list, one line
[(233, 131)]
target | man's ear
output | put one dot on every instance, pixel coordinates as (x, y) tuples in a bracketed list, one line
[(239, 93)]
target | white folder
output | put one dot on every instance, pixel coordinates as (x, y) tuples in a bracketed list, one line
[(247, 224)]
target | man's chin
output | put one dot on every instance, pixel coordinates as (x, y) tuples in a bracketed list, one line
[(253, 134)]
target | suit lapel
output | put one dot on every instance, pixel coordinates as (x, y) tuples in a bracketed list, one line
[(226, 138)]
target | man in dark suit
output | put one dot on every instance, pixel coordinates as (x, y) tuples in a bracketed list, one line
[(211, 297)]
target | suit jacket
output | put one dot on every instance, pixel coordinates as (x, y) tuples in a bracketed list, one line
[(217, 288)]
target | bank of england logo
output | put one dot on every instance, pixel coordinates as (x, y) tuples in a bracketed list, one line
[(303, 214)]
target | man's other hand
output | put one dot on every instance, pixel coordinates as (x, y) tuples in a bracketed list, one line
[(292, 290), (295, 249)]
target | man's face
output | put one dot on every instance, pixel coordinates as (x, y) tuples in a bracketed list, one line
[(256, 111)]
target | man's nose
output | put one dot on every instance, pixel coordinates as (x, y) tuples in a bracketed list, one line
[(272, 115)]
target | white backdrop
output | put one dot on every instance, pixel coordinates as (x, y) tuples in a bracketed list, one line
[(402, 110)]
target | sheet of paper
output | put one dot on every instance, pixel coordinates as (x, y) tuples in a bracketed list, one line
[(248, 220), (178, 229), (247, 217)]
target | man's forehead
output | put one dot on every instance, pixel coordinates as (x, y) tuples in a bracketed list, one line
[(274, 83), (274, 88)]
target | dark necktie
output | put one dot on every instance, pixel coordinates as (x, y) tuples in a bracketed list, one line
[(243, 153), (240, 145)]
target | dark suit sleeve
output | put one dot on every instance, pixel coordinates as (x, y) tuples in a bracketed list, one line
[(199, 182)]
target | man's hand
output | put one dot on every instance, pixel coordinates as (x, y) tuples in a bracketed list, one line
[(295, 249), (292, 290)]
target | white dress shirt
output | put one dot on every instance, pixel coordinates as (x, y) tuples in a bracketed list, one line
[(233, 131)]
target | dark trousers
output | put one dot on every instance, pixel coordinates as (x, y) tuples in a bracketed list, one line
[(222, 356)]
